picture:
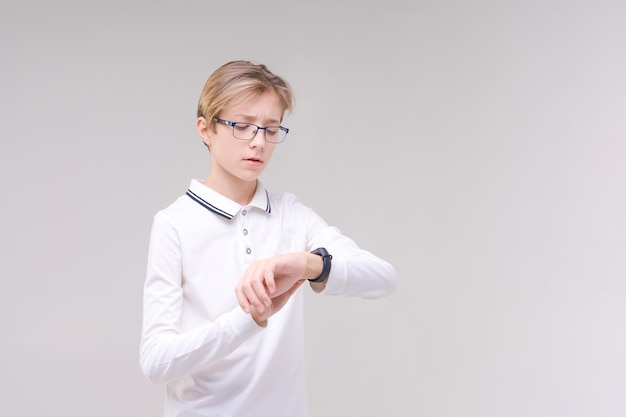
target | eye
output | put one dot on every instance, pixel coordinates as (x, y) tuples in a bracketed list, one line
[(243, 127), (272, 130)]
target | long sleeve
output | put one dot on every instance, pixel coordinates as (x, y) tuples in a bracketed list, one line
[(355, 271), (168, 352), (214, 358)]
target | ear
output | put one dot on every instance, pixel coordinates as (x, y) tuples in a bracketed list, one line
[(203, 131)]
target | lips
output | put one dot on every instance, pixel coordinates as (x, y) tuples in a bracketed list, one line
[(254, 161)]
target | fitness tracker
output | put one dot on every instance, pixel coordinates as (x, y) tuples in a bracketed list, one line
[(326, 258)]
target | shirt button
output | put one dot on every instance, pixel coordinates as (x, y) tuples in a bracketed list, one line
[(244, 212), (245, 231), (248, 251)]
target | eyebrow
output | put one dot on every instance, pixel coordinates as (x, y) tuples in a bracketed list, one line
[(248, 118)]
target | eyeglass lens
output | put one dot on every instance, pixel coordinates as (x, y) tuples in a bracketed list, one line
[(247, 131)]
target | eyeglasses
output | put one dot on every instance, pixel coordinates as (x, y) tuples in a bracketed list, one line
[(247, 131)]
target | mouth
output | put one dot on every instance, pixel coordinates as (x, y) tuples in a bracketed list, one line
[(254, 160)]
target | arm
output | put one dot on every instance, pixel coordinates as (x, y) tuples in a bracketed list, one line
[(167, 352), (267, 284), (355, 272)]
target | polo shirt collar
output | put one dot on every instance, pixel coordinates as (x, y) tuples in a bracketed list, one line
[(223, 206)]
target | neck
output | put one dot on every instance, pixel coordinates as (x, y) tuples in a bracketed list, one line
[(239, 191)]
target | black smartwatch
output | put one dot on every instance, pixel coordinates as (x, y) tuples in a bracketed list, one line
[(326, 258)]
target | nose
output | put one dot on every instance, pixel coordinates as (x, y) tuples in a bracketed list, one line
[(259, 139)]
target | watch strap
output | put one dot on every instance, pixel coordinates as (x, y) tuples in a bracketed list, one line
[(326, 260)]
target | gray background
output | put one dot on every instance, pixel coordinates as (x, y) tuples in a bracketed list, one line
[(478, 146)]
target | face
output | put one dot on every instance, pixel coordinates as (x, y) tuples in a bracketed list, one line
[(236, 162)]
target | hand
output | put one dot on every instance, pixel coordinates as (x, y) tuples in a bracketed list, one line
[(276, 305), (267, 279)]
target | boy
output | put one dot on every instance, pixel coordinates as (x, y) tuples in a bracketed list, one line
[(223, 308)]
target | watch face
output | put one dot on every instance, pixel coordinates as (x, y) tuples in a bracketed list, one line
[(321, 251)]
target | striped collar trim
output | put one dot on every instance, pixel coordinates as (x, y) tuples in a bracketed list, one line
[(208, 205), (223, 206), (261, 199)]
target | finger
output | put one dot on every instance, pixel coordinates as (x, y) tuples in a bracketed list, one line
[(246, 294), (260, 292), (295, 287), (270, 284), (253, 297), (242, 299), (280, 300)]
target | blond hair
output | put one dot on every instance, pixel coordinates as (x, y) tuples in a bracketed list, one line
[(235, 82)]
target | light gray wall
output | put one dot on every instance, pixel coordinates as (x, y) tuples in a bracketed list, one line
[(478, 146)]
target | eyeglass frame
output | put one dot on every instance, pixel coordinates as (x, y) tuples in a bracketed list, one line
[(264, 129)]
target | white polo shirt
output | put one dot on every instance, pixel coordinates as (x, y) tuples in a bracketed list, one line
[(213, 357)]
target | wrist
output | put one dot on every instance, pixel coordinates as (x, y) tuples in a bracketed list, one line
[(259, 318), (326, 258)]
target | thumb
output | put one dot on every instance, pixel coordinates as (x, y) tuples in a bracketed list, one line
[(295, 286)]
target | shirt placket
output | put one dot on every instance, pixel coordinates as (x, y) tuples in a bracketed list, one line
[(249, 254)]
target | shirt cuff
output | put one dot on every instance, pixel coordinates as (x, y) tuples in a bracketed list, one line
[(336, 282), (243, 324)]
